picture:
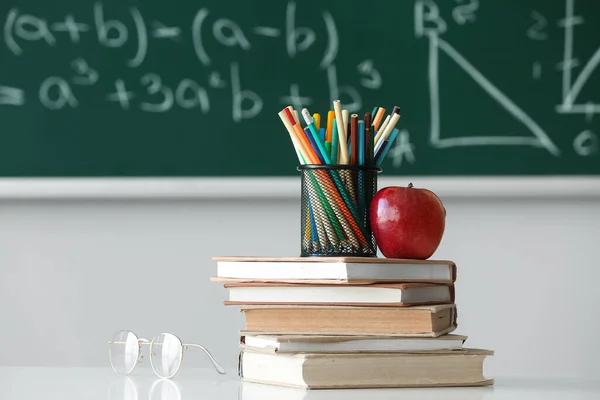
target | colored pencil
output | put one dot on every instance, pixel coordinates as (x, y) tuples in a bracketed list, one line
[(387, 145), (368, 139), (374, 112), (292, 133), (377, 118), (381, 129), (361, 142), (354, 138), (389, 127), (314, 145), (328, 150), (335, 158), (322, 134), (317, 119), (330, 117), (315, 135), (341, 131)]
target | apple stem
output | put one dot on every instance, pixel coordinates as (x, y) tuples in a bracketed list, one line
[(410, 185)]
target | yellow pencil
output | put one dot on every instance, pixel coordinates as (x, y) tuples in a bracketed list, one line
[(329, 131), (317, 118)]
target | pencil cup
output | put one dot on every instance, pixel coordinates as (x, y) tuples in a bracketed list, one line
[(335, 203)]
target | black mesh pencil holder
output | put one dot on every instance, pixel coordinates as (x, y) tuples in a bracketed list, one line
[(335, 204)]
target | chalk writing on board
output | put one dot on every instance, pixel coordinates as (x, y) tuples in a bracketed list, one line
[(437, 47), (11, 96), (150, 93), (403, 149), (132, 32)]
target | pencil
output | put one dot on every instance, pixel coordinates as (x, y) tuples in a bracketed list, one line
[(354, 138), (381, 129), (368, 139), (312, 130), (341, 131), (377, 118), (374, 112), (389, 127), (330, 117), (292, 133), (335, 158), (387, 144), (296, 117), (317, 119)]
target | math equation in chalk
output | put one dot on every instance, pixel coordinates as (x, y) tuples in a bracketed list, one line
[(127, 35), (149, 92)]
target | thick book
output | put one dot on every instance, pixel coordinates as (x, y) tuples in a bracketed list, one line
[(365, 370), (259, 391), (334, 269), (380, 294), (278, 343), (428, 321)]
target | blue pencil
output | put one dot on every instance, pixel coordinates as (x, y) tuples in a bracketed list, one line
[(386, 144), (361, 142), (322, 134), (334, 144)]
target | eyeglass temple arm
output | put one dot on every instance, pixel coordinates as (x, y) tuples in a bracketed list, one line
[(215, 364)]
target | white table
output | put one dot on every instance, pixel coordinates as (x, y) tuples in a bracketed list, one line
[(41, 383)]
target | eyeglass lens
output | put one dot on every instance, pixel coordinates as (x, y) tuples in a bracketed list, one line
[(124, 352), (166, 352)]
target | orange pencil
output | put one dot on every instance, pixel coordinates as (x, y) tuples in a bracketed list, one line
[(310, 152), (378, 118)]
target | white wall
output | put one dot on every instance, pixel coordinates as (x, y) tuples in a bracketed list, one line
[(72, 272)]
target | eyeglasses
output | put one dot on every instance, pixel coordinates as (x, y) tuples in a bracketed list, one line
[(166, 353)]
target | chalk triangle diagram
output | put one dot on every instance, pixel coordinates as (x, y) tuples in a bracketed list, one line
[(532, 134)]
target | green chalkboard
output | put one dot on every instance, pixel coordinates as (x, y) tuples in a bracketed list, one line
[(131, 88)]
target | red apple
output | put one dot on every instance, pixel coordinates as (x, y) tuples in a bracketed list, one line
[(407, 222)]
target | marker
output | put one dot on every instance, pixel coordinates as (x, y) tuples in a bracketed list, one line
[(330, 117), (315, 135), (354, 138)]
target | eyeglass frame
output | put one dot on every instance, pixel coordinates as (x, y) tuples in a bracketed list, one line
[(141, 341)]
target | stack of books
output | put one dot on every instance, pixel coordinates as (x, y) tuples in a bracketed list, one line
[(349, 322)]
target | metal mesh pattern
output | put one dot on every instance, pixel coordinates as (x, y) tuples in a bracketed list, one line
[(335, 203)]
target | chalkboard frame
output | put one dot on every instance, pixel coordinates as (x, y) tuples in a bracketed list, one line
[(288, 188)]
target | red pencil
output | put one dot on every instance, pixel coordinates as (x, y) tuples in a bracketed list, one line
[(354, 139)]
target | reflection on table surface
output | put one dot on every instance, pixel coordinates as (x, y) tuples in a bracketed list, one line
[(21, 383)]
